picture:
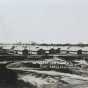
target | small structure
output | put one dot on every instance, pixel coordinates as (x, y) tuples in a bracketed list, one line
[(79, 52), (25, 52), (41, 52), (67, 52), (52, 51), (58, 50)]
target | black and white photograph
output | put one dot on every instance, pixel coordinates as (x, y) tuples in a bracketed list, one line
[(43, 44)]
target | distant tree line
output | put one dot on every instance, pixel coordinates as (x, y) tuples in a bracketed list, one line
[(81, 45), (46, 44)]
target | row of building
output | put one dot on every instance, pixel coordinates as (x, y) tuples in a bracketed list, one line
[(51, 51)]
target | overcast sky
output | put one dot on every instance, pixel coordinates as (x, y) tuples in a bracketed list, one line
[(62, 21)]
